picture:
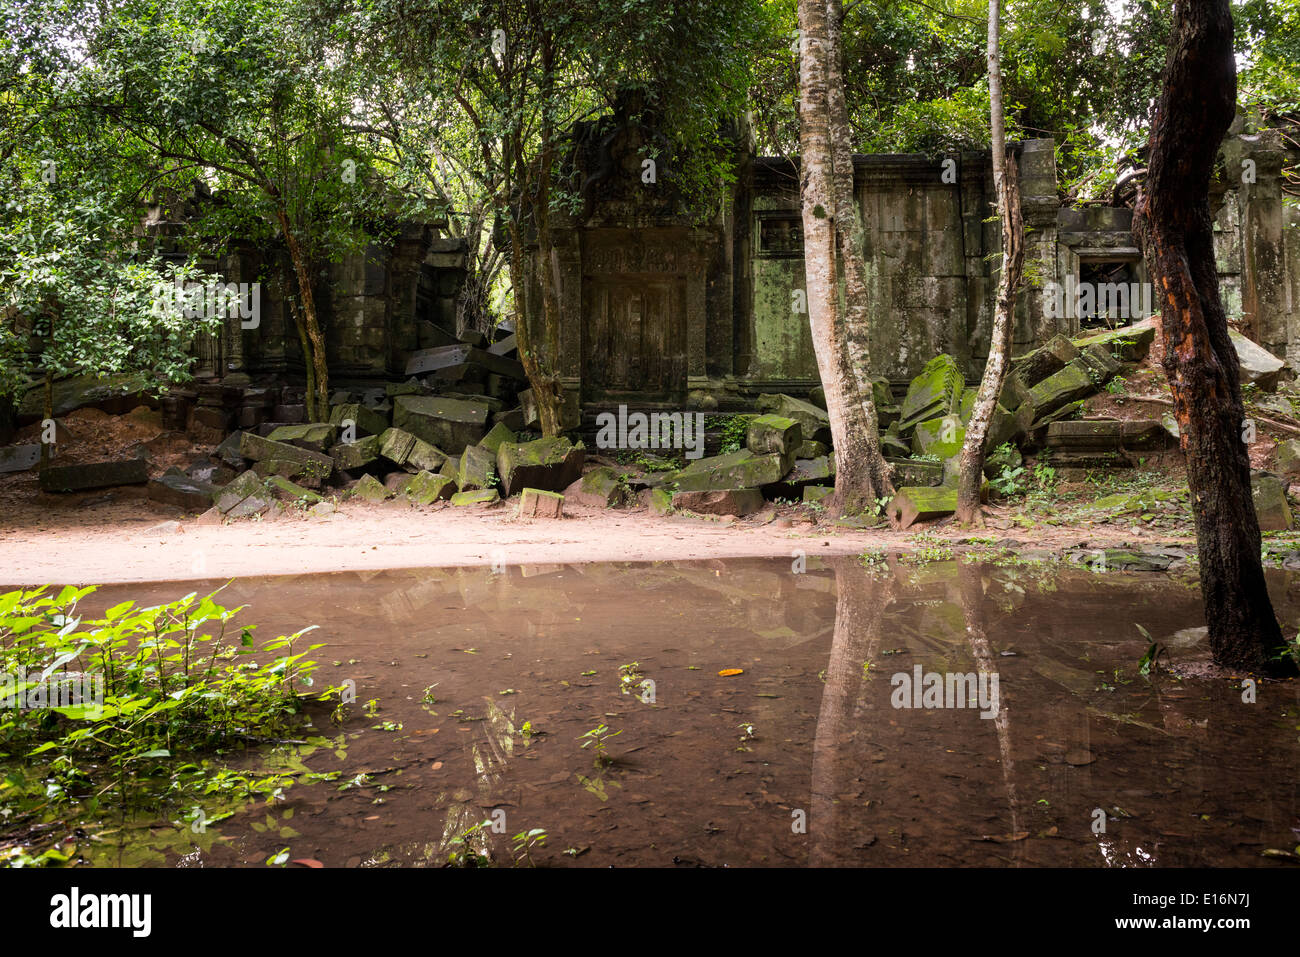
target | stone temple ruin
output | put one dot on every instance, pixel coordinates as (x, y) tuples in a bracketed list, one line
[(663, 314)]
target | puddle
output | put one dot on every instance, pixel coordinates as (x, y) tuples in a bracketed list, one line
[(486, 682)]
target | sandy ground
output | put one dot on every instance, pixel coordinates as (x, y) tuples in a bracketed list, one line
[(122, 537)]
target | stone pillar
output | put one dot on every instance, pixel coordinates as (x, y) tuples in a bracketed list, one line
[(1039, 203)]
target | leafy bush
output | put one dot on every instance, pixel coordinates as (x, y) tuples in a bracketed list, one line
[(168, 686)]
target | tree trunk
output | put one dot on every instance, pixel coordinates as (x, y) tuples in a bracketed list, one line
[(1173, 222), (866, 475), (817, 196), (540, 353), (970, 466), (317, 358)]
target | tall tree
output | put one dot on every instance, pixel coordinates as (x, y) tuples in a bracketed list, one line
[(832, 238), (971, 463), (866, 474), (1174, 224), (518, 74)]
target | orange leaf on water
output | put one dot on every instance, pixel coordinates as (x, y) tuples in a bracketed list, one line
[(307, 862), (728, 672)]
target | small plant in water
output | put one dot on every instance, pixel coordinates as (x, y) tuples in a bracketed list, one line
[(595, 739), (525, 841)]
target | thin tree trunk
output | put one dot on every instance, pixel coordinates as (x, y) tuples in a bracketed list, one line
[(866, 474), (305, 344), (317, 359), (970, 466), (860, 602), (1195, 108), (817, 197)]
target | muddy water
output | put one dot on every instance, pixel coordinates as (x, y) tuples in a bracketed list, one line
[(801, 759)]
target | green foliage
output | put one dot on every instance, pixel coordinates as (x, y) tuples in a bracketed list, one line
[(734, 428), (1009, 481), (166, 683)]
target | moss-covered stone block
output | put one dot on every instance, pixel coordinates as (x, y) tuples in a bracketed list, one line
[(370, 489), (477, 497), (935, 392), (912, 504), (539, 503), (447, 424), (477, 469), (942, 437), (741, 469), (351, 456), (426, 488), (774, 433), (496, 437), (551, 464)]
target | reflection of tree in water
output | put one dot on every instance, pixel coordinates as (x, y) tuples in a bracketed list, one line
[(972, 607), (860, 602), (862, 598)]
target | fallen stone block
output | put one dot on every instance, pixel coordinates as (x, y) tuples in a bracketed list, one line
[(818, 471), (212, 516), (358, 419), (1107, 435), (280, 458), (1100, 364), (497, 435), (738, 502), (1014, 393), (917, 472), (504, 346), (912, 504), (350, 456), (600, 488), (370, 489), (811, 450), (1255, 363), (893, 446), (476, 497), (1047, 360), (1271, 505), (477, 469), (1069, 384), (814, 423), (1008, 427), (312, 436), (936, 391), (19, 458), (942, 437), (774, 433), (75, 478), (1128, 343), (742, 469), (550, 464), (1288, 458), (397, 482), (288, 491), (245, 484), (253, 505), (447, 424), (115, 394), (425, 488), (817, 494), (659, 501), (182, 491), (539, 503), (228, 451)]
